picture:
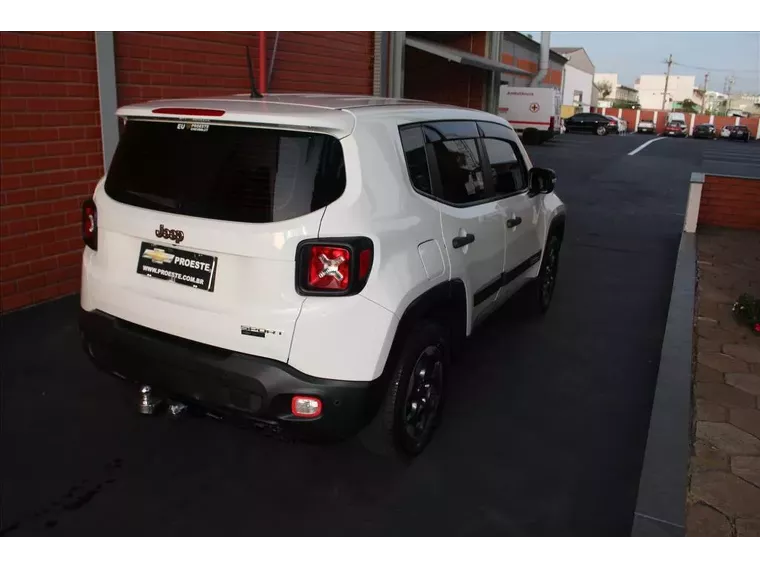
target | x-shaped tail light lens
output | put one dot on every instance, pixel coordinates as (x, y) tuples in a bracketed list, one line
[(329, 268)]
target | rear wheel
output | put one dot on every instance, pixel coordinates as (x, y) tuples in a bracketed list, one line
[(531, 136), (411, 411), (601, 130)]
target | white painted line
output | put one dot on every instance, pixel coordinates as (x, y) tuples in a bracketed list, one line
[(645, 144)]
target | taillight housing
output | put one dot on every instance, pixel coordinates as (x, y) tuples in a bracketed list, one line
[(551, 123), (333, 266), (90, 224)]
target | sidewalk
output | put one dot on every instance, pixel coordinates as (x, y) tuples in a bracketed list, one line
[(724, 485)]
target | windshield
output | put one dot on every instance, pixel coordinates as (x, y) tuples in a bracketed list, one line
[(225, 172)]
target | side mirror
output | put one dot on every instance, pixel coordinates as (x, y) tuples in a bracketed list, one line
[(541, 180)]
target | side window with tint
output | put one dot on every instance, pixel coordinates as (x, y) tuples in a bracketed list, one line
[(507, 167), (413, 143), (459, 166)]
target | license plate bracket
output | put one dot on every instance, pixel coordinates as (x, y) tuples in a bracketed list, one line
[(176, 265)]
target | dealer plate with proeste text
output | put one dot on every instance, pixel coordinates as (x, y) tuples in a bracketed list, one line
[(180, 266)]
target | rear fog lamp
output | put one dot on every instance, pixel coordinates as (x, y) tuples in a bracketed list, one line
[(306, 406)]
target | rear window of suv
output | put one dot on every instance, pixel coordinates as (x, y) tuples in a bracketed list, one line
[(230, 173)]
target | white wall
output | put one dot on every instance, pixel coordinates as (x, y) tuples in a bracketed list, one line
[(651, 87), (577, 80)]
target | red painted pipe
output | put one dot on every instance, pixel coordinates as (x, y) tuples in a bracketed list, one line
[(262, 62)]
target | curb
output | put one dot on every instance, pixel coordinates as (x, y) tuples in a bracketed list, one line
[(661, 503)]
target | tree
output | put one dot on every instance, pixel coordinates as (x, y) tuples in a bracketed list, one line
[(688, 105), (625, 104), (604, 88)]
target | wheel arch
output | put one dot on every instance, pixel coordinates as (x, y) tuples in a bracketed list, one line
[(445, 303), (557, 226)]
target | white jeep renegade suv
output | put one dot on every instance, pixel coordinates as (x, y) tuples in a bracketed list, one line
[(309, 261)]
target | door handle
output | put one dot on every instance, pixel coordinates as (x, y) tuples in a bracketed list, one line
[(513, 222), (460, 242)]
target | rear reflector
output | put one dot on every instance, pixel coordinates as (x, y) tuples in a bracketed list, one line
[(306, 406), (188, 111)]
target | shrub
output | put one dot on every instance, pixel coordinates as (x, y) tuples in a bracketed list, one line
[(747, 312)]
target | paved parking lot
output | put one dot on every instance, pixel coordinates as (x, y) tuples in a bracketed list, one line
[(714, 156), (544, 432)]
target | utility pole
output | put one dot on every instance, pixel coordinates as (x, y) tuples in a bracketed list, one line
[(667, 78), (704, 93)]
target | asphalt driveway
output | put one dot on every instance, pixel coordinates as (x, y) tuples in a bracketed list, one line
[(544, 433)]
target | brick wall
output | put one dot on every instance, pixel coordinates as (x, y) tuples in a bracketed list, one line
[(432, 78), (50, 149), (153, 65), (50, 156), (730, 202)]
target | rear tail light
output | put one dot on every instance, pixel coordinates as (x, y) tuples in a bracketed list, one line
[(333, 266), (551, 123), (90, 224)]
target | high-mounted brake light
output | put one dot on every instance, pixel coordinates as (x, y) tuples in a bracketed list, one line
[(333, 266), (188, 111), (90, 224)]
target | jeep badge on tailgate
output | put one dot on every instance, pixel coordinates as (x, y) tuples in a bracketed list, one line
[(171, 234)]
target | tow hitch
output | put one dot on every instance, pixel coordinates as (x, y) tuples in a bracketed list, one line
[(149, 403)]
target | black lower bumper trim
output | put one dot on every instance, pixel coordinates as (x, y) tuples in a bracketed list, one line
[(226, 382)]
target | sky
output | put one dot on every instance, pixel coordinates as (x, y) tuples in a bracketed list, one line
[(631, 54)]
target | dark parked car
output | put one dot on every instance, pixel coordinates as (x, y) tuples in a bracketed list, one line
[(740, 132), (599, 124), (676, 128), (647, 127), (705, 131)]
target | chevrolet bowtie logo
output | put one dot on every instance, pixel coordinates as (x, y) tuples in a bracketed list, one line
[(158, 256)]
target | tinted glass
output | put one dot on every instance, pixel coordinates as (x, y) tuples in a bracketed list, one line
[(229, 173), (416, 160), (460, 169), (507, 168)]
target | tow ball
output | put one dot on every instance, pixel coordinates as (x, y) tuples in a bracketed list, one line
[(149, 403)]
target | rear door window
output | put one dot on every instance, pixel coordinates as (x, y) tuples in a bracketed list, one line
[(229, 173)]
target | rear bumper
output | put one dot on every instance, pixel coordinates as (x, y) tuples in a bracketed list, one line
[(226, 382)]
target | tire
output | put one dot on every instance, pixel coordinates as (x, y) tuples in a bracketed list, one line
[(531, 137), (601, 131), (546, 280), (411, 410)]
